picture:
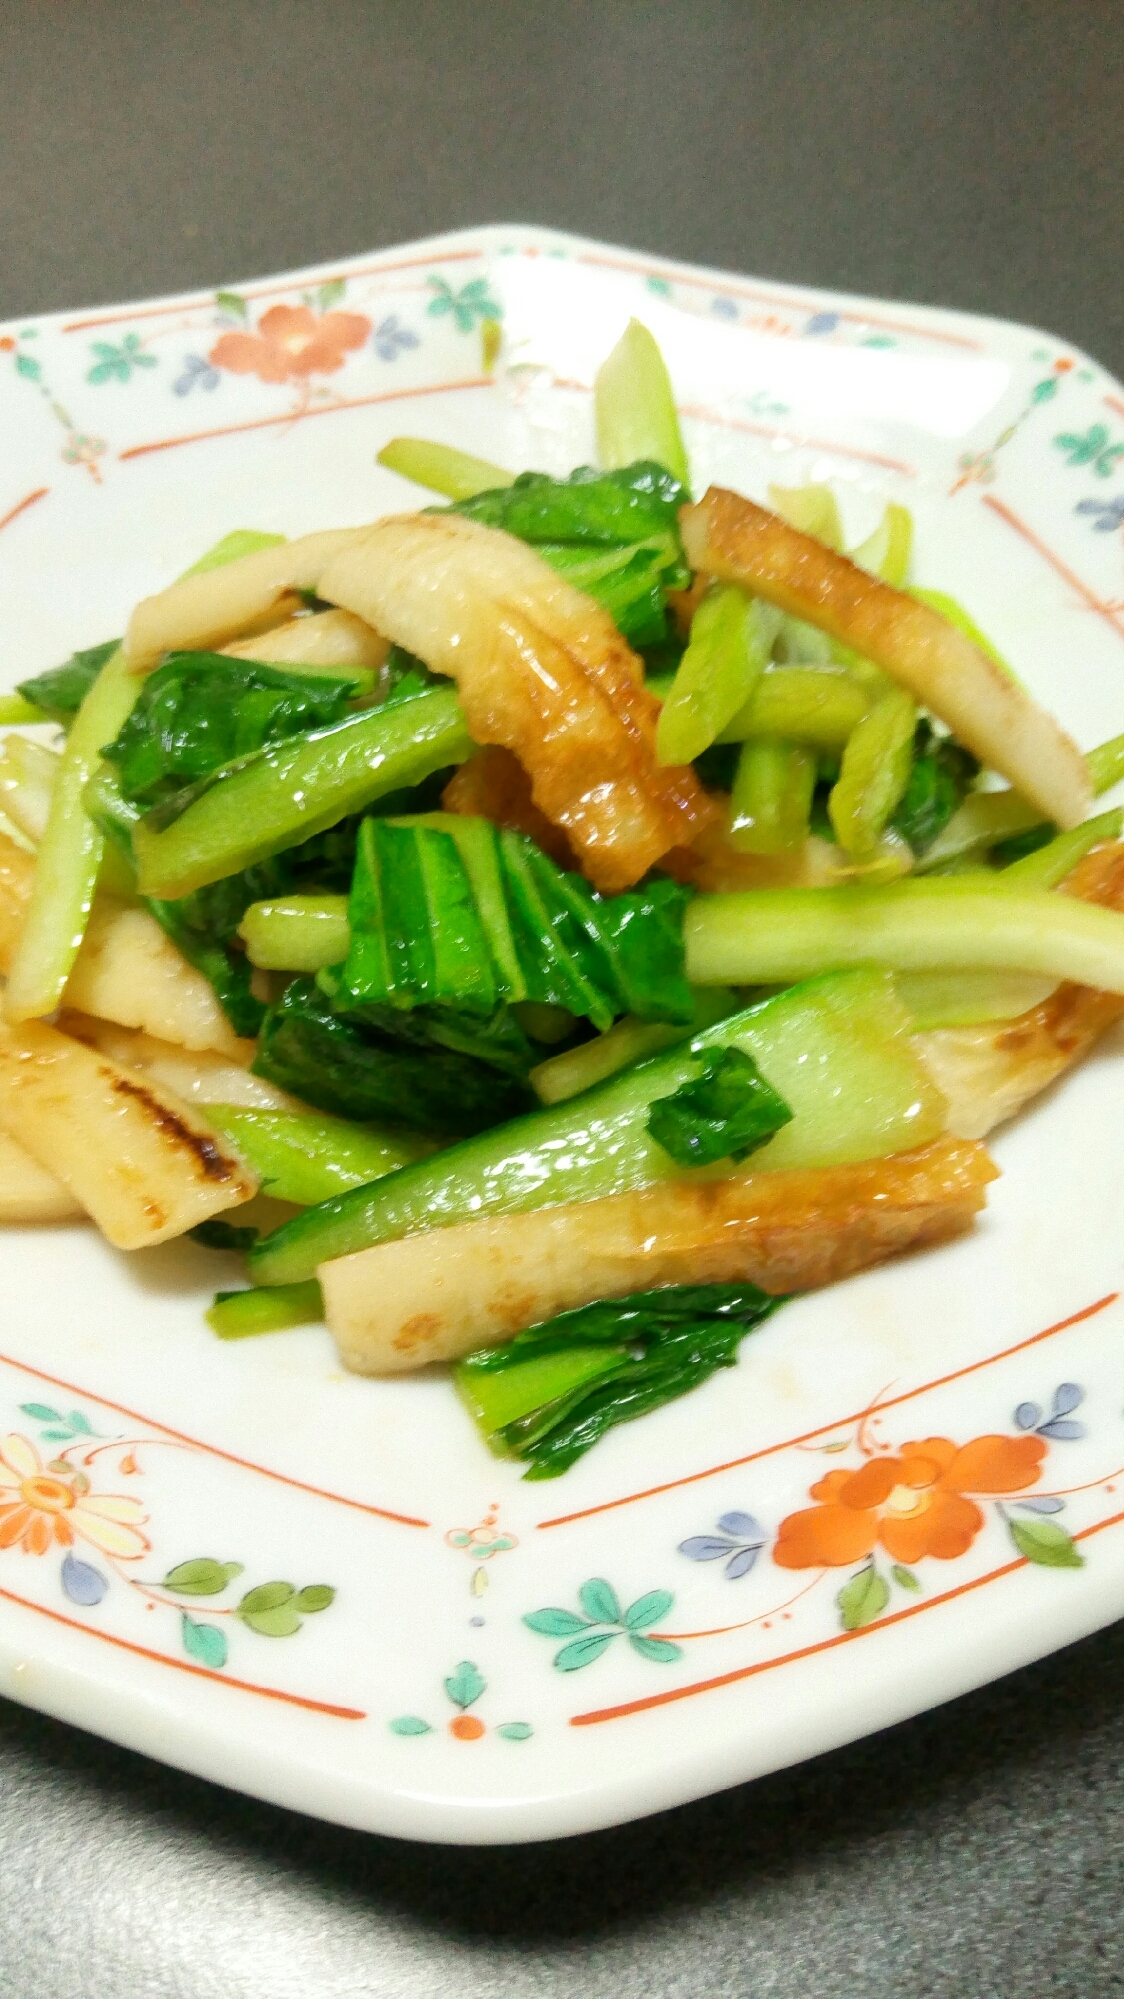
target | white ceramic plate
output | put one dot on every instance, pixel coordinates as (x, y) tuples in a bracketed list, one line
[(504, 1661)]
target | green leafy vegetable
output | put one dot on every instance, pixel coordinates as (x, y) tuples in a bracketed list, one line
[(350, 1069), (937, 784), (450, 911), (726, 1113), (290, 791), (590, 509), (554, 1391), (217, 1234), (201, 709), (612, 534), (61, 691), (837, 1048)]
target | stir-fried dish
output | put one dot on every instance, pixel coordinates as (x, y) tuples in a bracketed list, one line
[(543, 931)]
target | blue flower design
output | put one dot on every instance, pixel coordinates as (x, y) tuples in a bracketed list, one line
[(822, 322), (740, 1538), (390, 339), (197, 374), (1106, 514), (725, 308), (1057, 1424)]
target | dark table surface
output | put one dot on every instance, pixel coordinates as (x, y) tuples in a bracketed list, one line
[(964, 154)]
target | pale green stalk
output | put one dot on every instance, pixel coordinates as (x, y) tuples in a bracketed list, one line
[(731, 639), (1051, 864), (772, 797), (626, 1042), (70, 853), (1106, 764), (777, 935), (455, 474), (874, 772), (886, 552), (14, 710), (296, 933), (812, 509), (803, 705), (634, 407)]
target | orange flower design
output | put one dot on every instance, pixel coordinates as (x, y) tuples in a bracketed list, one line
[(37, 1509), (915, 1504), (291, 343)]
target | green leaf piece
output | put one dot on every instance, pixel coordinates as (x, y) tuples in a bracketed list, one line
[(314, 1597), (727, 1112), (232, 303), (905, 1578), (647, 1610), (599, 1601), (201, 1577), (660, 1650), (863, 1599), (1044, 1542), (40, 1412), (410, 1724), (582, 1651), (555, 1623), (515, 1731), (330, 294), (203, 1642), (465, 1685)]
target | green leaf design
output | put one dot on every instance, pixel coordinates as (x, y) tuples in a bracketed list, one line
[(280, 1622), (314, 1596), (410, 1724), (56, 1436), (599, 1601), (583, 1651), (330, 294), (201, 1577), (232, 303), (40, 1412), (266, 1596), (555, 1623), (28, 367), (647, 1610), (863, 1599), (1044, 1542), (204, 1642), (660, 1649), (79, 1424), (515, 1731), (905, 1578), (465, 1685)]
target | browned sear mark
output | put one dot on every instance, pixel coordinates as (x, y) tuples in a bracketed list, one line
[(214, 1163)]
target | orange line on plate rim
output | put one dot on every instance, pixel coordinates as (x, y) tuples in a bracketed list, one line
[(181, 1437), (1063, 570), (194, 301), (186, 1665), (771, 1450), (21, 506), (777, 298), (301, 416), (823, 1645)]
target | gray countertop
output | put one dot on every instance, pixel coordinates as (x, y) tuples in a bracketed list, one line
[(961, 154)]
